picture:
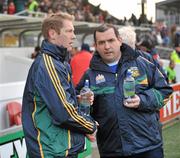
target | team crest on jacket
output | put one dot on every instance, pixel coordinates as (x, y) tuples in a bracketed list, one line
[(135, 71), (100, 78)]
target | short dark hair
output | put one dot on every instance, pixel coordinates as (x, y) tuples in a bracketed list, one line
[(104, 27), (146, 40), (85, 46), (37, 48)]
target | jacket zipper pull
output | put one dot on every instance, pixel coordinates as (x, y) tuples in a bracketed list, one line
[(116, 76)]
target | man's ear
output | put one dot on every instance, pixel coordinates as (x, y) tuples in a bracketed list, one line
[(95, 45), (51, 34), (120, 39)]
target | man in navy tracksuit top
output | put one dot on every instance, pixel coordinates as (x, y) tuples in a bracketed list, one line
[(52, 124), (128, 129)]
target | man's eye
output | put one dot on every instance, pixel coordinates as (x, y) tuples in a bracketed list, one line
[(101, 42), (67, 30), (111, 40)]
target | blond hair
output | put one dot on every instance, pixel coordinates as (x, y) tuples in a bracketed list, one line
[(55, 22), (128, 35)]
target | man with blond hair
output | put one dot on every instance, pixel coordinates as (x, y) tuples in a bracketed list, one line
[(53, 126)]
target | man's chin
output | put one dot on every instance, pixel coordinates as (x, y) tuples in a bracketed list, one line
[(69, 49)]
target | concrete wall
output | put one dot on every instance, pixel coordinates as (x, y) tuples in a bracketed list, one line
[(14, 66)]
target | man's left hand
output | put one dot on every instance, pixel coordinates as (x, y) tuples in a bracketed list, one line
[(132, 102)]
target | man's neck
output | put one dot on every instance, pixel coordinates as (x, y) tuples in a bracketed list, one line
[(113, 63)]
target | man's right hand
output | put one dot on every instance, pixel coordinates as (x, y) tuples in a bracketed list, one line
[(91, 137), (89, 96)]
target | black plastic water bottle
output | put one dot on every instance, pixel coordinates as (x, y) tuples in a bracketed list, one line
[(129, 85)]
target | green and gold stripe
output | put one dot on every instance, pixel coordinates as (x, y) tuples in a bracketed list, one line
[(69, 142), (60, 91), (38, 136)]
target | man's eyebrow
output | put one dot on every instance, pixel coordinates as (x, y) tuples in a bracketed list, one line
[(67, 29), (106, 40)]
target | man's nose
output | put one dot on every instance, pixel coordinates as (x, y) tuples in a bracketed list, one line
[(74, 36), (106, 45)]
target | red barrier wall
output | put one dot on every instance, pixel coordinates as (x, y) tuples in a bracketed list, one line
[(172, 109)]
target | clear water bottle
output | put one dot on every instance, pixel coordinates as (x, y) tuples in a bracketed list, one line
[(85, 94), (129, 85)]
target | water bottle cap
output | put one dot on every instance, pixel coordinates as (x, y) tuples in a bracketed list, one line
[(129, 72), (86, 83)]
